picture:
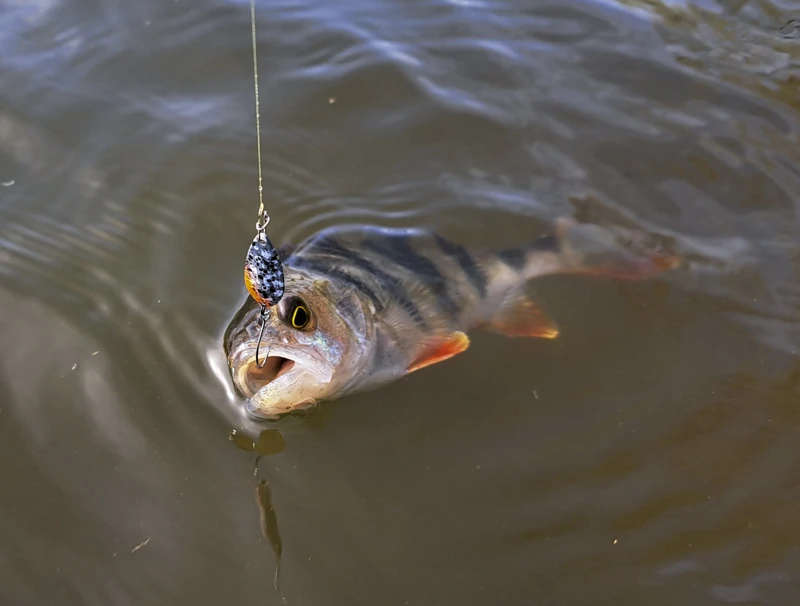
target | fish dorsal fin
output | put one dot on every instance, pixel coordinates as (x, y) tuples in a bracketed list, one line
[(522, 315), (439, 349)]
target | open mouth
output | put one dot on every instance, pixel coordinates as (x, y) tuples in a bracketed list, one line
[(284, 369), (255, 378)]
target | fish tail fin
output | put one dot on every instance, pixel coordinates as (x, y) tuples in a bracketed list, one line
[(573, 248), (612, 252), (591, 250)]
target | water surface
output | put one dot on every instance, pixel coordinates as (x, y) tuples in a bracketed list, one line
[(650, 455)]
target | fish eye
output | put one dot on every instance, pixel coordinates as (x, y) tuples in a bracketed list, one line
[(299, 316), (295, 313)]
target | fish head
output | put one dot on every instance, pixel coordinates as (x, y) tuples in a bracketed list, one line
[(312, 343)]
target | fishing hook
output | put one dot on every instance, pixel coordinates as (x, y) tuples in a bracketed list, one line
[(263, 317)]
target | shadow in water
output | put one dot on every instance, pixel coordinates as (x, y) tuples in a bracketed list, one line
[(269, 442)]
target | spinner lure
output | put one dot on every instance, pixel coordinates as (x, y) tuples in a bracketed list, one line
[(263, 277), (263, 273)]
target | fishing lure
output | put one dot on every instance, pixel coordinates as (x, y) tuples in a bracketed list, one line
[(263, 277), (263, 272)]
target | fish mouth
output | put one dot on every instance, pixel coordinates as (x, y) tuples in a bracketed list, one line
[(277, 376), (252, 378)]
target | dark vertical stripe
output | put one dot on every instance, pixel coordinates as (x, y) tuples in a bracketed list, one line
[(285, 251), (465, 261), (398, 249), (513, 257), (328, 246), (327, 269), (548, 243)]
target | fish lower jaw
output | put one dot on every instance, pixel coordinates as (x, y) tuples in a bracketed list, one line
[(275, 411), (252, 378), (292, 390)]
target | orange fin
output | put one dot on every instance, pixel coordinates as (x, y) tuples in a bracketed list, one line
[(440, 349), (523, 316)]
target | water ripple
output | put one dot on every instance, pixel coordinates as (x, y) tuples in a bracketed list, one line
[(651, 449)]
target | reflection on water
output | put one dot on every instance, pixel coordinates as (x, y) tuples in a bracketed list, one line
[(268, 522), (650, 451)]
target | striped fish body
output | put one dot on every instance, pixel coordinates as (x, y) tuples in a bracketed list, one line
[(390, 301), (420, 291)]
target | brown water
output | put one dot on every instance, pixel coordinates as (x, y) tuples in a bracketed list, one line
[(649, 456)]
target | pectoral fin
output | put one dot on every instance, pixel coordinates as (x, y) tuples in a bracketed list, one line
[(520, 315), (440, 349)]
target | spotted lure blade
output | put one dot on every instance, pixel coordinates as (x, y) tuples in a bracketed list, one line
[(263, 272)]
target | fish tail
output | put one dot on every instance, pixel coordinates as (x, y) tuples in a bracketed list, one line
[(610, 252), (573, 248), (592, 250)]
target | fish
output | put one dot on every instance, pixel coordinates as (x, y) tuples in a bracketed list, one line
[(367, 305)]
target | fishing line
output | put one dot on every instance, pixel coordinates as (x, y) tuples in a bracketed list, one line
[(263, 272), (262, 213)]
